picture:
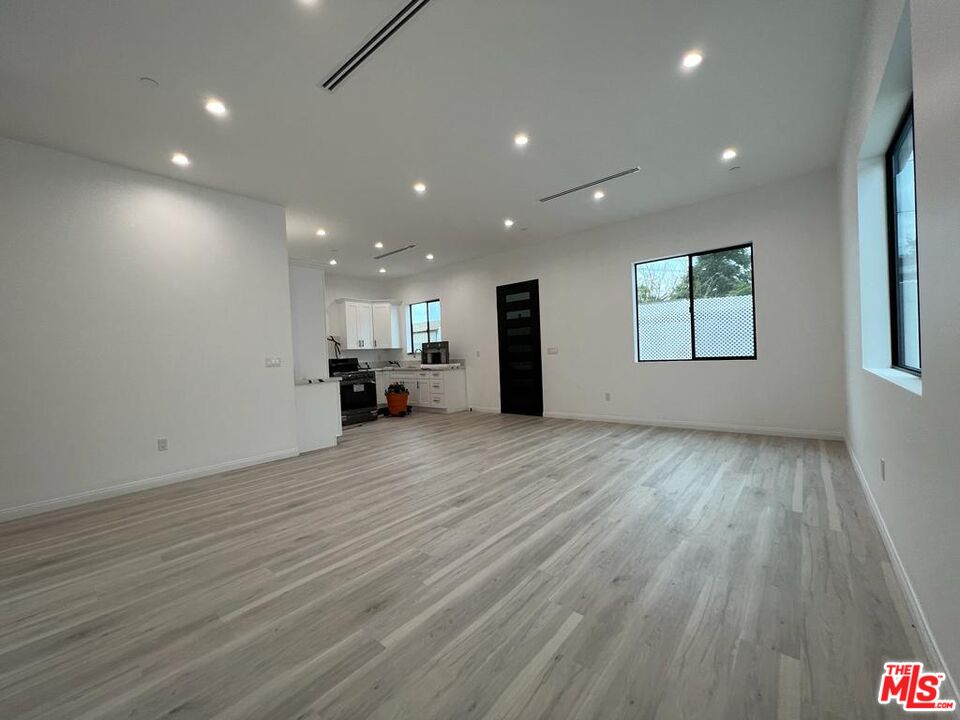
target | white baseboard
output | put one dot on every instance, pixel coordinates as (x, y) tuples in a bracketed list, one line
[(913, 602), (40, 506), (714, 427), (474, 408)]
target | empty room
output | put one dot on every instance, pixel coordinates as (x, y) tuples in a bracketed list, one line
[(435, 359)]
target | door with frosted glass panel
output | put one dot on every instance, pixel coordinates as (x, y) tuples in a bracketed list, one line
[(521, 372)]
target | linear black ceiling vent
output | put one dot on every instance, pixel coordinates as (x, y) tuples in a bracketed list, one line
[(622, 173), (373, 44), (394, 252)]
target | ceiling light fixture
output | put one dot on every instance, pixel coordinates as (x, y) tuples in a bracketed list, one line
[(508, 223), (378, 245), (333, 261), (420, 188), (215, 107), (729, 154), (321, 232), (180, 160), (599, 195), (521, 139), (382, 270), (429, 256), (692, 60)]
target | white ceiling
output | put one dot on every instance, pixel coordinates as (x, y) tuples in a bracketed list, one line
[(596, 84)]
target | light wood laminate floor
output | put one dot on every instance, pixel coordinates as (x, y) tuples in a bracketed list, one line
[(465, 566)]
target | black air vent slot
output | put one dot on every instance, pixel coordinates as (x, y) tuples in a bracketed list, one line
[(373, 44), (615, 176), (394, 252)]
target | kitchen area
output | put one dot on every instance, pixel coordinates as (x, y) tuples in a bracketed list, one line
[(351, 343)]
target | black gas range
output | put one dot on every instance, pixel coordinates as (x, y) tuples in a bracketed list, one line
[(358, 390)]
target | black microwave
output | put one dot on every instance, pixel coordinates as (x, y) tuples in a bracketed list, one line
[(435, 353)]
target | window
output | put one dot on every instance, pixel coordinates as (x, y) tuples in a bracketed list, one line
[(424, 325), (902, 234), (696, 307)]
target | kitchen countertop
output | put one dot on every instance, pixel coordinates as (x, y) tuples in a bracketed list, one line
[(316, 381), (419, 369)]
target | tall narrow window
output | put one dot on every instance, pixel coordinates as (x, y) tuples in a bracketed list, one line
[(424, 324), (904, 277), (696, 307)]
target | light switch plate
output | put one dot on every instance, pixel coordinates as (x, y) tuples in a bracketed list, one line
[(553, 351), (272, 362)]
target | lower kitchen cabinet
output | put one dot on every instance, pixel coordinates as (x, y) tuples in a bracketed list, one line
[(443, 390), (384, 378)]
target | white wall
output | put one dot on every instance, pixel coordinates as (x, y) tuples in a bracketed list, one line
[(134, 307), (796, 384), (917, 435), (308, 307)]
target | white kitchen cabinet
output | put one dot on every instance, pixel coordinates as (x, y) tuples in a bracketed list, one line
[(358, 325), (423, 389), (350, 324), (365, 325), (386, 326), (384, 379), (443, 390), (370, 325)]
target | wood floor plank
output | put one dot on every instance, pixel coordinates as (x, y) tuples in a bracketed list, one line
[(471, 565)]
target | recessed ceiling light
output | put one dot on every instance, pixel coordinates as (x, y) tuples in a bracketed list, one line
[(216, 107), (180, 160), (521, 139), (599, 195), (729, 154), (309, 3), (420, 188), (378, 245), (508, 223), (333, 261), (692, 60), (429, 256), (321, 232), (382, 270)]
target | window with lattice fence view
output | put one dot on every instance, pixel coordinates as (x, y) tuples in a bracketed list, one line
[(696, 307)]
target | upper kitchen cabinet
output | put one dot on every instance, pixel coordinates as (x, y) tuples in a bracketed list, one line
[(358, 325), (386, 326), (370, 324)]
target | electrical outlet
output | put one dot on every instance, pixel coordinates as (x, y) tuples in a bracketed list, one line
[(555, 351), (161, 444), (606, 396), (883, 470), (478, 353)]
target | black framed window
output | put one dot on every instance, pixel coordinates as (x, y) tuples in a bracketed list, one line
[(696, 307), (903, 256), (423, 324)]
